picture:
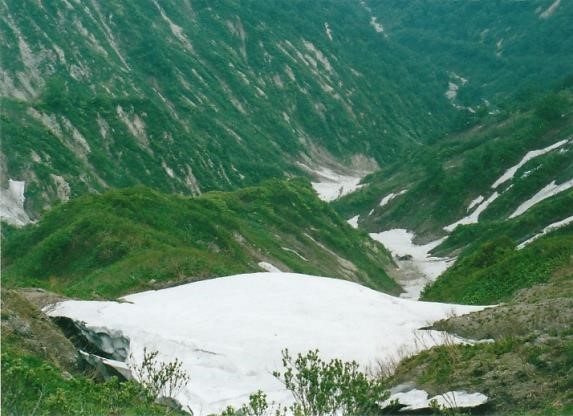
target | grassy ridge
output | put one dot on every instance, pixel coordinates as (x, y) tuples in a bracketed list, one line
[(132, 239), (495, 271)]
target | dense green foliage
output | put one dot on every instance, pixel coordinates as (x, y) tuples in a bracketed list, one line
[(476, 39), (319, 388), (496, 270), (194, 96), (31, 386), (41, 373), (132, 239), (442, 180)]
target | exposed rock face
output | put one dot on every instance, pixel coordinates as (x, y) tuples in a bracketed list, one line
[(29, 329)]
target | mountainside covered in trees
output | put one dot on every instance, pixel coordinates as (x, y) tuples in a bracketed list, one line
[(192, 96), (459, 113)]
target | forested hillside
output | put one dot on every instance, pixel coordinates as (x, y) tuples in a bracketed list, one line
[(193, 96)]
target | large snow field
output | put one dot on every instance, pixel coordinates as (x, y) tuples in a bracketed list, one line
[(229, 332)]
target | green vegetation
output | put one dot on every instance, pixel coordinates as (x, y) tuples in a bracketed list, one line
[(31, 386), (134, 239), (525, 370), (444, 178), (41, 374), (496, 270), (319, 388), (220, 99)]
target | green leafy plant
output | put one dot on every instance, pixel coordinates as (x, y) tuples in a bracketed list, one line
[(319, 388), (158, 378)]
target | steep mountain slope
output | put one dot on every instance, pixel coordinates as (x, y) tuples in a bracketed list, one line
[(483, 196), (489, 49), (193, 96), (133, 239), (502, 169)]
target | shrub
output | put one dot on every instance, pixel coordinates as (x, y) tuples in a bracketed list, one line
[(319, 388), (160, 379)]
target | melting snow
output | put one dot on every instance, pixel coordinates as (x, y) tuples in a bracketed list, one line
[(546, 192), (421, 268), (377, 26), (475, 202), (474, 216), (269, 267), (353, 221), (328, 31), (12, 204), (510, 173), (229, 332), (391, 196), (550, 10), (416, 399), (332, 185), (548, 229)]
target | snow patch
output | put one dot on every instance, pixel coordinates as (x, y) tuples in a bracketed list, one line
[(353, 221), (550, 10), (391, 196), (377, 26), (547, 192), (330, 185), (510, 173), (328, 31), (416, 399), (296, 253), (474, 216), (269, 267), (228, 332), (546, 230), (475, 202), (418, 267), (12, 204)]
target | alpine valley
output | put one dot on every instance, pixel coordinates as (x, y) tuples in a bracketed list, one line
[(286, 207)]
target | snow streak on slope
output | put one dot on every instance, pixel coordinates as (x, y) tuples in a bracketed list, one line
[(546, 192), (229, 332), (391, 196), (353, 221), (414, 260), (12, 204), (510, 173), (475, 202), (548, 229), (474, 216)]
